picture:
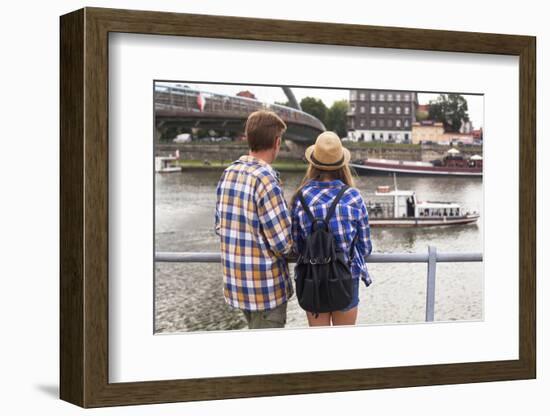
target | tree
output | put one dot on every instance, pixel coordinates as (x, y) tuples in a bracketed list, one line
[(451, 110), (336, 118), (315, 107)]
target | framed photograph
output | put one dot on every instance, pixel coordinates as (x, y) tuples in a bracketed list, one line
[(197, 153)]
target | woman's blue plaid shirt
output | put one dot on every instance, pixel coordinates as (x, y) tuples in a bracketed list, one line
[(254, 225), (349, 220)]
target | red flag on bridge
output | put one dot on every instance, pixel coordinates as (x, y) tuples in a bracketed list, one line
[(200, 102)]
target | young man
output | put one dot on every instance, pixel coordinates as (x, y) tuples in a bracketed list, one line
[(254, 226)]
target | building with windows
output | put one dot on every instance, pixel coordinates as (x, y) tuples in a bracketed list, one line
[(381, 115), (428, 132), (431, 132)]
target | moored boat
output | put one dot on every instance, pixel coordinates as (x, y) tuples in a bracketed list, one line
[(167, 164), (400, 208), (453, 164)]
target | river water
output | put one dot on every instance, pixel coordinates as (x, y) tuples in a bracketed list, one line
[(188, 297)]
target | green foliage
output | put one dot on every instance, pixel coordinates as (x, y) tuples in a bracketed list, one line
[(421, 115), (315, 107), (450, 109), (336, 118)]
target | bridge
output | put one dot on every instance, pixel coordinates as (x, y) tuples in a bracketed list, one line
[(185, 108)]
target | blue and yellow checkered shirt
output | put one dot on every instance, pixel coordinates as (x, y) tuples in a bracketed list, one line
[(253, 222), (350, 221)]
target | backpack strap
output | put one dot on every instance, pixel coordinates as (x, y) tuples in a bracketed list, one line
[(306, 207), (332, 208)]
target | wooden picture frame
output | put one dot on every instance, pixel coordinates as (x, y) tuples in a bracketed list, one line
[(84, 207)]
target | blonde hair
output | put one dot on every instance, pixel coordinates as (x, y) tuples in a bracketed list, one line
[(345, 174), (262, 128)]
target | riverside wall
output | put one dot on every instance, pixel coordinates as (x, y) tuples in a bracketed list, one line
[(290, 151)]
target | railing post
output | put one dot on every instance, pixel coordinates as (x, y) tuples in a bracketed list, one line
[(430, 287)]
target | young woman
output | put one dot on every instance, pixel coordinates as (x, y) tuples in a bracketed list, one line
[(327, 173)]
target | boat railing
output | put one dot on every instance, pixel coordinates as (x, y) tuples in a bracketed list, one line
[(431, 258), (380, 209)]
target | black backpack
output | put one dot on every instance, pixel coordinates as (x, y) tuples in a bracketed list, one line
[(323, 277)]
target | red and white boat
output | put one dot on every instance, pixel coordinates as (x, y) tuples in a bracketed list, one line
[(453, 164)]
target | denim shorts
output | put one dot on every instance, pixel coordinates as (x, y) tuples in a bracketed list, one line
[(354, 296)]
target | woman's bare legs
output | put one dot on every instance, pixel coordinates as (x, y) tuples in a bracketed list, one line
[(344, 318), (322, 320), (336, 318)]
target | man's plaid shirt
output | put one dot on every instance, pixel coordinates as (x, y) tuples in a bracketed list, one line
[(253, 222)]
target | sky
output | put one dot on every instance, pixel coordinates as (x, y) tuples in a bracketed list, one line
[(327, 95)]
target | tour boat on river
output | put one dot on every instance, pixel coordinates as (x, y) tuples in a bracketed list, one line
[(453, 164), (399, 208)]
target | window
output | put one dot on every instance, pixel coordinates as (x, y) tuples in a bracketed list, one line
[(362, 122), (352, 108), (390, 136), (406, 123), (381, 97), (373, 97), (397, 123), (381, 136), (398, 97), (373, 123), (381, 110), (390, 124), (362, 109), (407, 136), (381, 122), (407, 110), (362, 96), (373, 109), (390, 109), (407, 97), (390, 97), (397, 110), (353, 95), (373, 137)]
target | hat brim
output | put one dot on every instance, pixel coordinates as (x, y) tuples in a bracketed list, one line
[(309, 152)]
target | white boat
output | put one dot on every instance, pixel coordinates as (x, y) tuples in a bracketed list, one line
[(166, 164), (399, 208)]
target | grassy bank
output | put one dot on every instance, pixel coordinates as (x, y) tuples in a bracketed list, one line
[(283, 165), (381, 145), (243, 145)]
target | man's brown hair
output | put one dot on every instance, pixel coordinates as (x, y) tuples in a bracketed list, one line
[(262, 128)]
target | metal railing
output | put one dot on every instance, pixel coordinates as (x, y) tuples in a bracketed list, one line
[(432, 257)]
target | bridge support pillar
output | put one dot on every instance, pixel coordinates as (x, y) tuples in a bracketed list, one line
[(296, 149), (159, 127)]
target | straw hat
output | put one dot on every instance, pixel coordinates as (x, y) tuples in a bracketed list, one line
[(327, 153)]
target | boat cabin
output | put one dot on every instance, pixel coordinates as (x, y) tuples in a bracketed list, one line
[(454, 159), (403, 204), (438, 209)]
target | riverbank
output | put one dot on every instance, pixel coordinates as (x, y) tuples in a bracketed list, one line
[(218, 153), (189, 165)]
